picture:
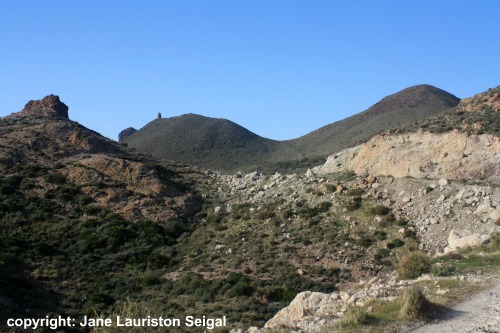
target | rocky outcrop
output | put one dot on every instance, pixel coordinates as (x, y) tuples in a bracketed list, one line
[(306, 304), (51, 102), (126, 133), (461, 239), (453, 155)]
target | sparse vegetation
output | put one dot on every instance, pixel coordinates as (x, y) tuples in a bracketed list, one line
[(353, 317)]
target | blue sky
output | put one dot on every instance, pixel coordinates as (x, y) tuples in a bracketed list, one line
[(279, 68)]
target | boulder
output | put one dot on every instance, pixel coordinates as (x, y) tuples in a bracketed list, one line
[(325, 188), (310, 174), (443, 182), (495, 215), (459, 239), (305, 304), (483, 209)]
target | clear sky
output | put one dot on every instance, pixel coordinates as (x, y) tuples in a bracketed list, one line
[(280, 68)]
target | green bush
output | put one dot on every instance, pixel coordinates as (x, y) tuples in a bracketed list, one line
[(10, 184), (364, 241), (69, 192), (150, 279), (412, 265), (380, 210), (56, 178), (395, 243), (380, 235), (324, 206), (381, 254), (494, 243), (242, 288), (442, 269), (401, 222), (353, 204), (409, 233)]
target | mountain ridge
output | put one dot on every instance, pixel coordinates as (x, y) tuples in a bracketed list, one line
[(222, 144)]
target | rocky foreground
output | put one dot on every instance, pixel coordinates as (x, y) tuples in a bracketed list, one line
[(446, 215)]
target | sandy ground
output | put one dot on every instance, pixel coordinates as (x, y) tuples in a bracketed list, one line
[(480, 313)]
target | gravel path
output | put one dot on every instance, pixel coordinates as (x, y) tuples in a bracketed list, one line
[(480, 313)]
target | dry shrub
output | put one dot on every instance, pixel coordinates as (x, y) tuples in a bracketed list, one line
[(414, 305), (414, 264), (353, 317)]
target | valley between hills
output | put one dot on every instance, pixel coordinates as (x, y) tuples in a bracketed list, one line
[(379, 222)]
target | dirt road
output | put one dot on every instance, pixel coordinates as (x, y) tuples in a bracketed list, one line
[(480, 313)]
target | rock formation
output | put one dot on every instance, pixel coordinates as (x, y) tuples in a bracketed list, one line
[(126, 133), (51, 102), (452, 155)]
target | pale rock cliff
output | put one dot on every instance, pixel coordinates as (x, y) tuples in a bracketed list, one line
[(452, 155)]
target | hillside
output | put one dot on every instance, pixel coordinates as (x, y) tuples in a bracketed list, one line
[(80, 215), (392, 112), (461, 143), (222, 145), (478, 114), (202, 141), (89, 227)]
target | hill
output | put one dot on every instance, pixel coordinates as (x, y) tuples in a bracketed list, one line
[(223, 145), (202, 141), (461, 143), (478, 114), (392, 112), (79, 214)]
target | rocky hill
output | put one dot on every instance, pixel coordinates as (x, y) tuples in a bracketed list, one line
[(76, 207), (222, 145)]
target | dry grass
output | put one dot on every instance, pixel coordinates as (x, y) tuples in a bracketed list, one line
[(414, 305), (354, 317)]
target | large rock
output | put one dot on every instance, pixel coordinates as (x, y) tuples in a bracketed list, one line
[(310, 174), (305, 304), (495, 215), (460, 239), (51, 102)]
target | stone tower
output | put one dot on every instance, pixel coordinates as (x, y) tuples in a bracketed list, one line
[(158, 116)]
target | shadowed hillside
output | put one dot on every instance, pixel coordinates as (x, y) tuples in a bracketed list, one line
[(202, 141), (224, 145)]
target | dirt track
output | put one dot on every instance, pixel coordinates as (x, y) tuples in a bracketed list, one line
[(480, 313)]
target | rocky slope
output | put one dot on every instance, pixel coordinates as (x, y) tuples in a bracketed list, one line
[(434, 216), (80, 214), (444, 184), (42, 135)]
